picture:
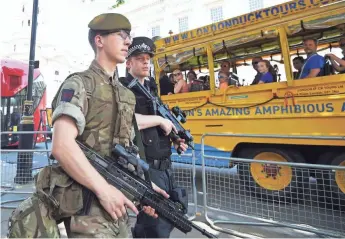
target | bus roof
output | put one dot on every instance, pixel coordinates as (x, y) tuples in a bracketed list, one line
[(266, 15), (324, 23), (10, 67)]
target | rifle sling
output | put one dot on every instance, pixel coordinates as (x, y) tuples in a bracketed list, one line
[(138, 139)]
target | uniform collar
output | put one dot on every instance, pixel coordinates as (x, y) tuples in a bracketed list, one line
[(98, 69)]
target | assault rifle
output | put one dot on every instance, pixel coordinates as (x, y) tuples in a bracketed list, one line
[(138, 190), (163, 110)]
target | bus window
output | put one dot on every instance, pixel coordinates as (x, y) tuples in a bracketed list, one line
[(237, 58), (325, 32)]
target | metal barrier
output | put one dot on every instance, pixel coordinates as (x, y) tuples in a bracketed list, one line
[(184, 176), (13, 183), (313, 204)]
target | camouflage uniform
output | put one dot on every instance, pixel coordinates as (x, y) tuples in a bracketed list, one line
[(103, 111)]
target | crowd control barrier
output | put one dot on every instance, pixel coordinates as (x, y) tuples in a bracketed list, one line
[(291, 197)]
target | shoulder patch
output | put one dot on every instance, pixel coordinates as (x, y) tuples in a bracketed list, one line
[(67, 95)]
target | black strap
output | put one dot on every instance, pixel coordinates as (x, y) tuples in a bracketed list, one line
[(138, 139), (139, 143)]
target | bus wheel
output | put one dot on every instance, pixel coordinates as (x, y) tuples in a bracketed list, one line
[(331, 183), (272, 182)]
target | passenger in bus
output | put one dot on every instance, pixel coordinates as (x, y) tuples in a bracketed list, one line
[(337, 63), (15, 117), (225, 67), (223, 80), (267, 72), (166, 85), (194, 84), (255, 62), (298, 62), (181, 85), (206, 82), (191, 76), (198, 85), (314, 64)]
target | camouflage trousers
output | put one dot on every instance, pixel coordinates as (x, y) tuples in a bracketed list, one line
[(31, 220)]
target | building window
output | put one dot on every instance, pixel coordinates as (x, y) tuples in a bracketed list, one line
[(216, 14), (23, 9), (156, 31), (183, 24), (255, 5), (29, 22)]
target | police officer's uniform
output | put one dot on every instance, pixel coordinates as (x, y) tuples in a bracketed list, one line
[(157, 149)]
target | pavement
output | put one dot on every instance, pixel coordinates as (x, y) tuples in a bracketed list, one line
[(225, 195)]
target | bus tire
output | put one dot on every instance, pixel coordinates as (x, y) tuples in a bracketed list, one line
[(331, 185), (277, 183)]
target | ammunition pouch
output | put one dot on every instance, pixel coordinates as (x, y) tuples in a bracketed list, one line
[(62, 195), (31, 220)]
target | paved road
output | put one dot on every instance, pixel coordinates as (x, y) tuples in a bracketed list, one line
[(225, 192)]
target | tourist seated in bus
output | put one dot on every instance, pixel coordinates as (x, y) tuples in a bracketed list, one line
[(206, 82), (181, 85), (337, 63), (191, 76), (255, 62), (194, 83), (225, 67), (223, 80), (314, 64), (198, 85), (298, 62), (267, 72), (166, 85)]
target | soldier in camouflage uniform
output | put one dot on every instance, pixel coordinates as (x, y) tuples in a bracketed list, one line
[(94, 108)]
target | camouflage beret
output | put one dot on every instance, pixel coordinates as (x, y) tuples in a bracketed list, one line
[(109, 22)]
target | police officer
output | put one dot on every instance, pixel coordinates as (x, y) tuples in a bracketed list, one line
[(154, 131), (95, 108)]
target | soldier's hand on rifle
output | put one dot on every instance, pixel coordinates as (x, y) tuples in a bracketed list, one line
[(167, 126), (149, 210), (180, 143), (114, 202)]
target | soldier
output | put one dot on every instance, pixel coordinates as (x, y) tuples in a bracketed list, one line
[(154, 135), (94, 108)]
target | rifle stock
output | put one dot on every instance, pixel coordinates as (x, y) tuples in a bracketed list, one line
[(138, 190)]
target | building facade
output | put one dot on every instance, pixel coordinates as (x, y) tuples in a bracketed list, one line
[(62, 46)]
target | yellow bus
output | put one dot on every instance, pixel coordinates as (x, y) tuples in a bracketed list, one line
[(313, 106)]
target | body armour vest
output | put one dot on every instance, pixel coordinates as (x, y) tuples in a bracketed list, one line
[(110, 113), (157, 145)]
